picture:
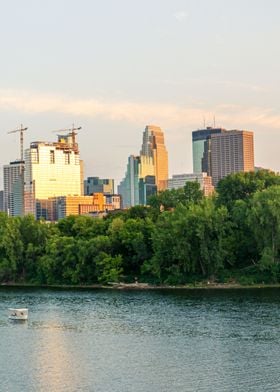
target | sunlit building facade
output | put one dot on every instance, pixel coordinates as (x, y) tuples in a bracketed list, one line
[(179, 181), (231, 152), (153, 146), (51, 169), (199, 140), (98, 185)]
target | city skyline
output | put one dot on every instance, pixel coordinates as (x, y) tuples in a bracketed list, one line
[(181, 65)]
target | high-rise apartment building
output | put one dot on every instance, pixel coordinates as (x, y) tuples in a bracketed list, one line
[(51, 169), (154, 148), (231, 152), (13, 188), (199, 142)]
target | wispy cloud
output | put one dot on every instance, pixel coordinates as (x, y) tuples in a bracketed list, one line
[(166, 114)]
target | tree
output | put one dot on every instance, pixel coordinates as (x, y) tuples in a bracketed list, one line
[(194, 239), (10, 248), (132, 240), (192, 192), (242, 186), (265, 220)]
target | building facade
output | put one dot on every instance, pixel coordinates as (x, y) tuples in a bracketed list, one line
[(98, 185), (199, 143), (13, 194), (129, 186), (51, 169), (179, 181), (231, 152), (147, 173), (153, 146)]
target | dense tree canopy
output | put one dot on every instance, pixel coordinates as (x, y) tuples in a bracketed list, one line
[(180, 237)]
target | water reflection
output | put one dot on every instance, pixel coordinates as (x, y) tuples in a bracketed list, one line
[(141, 341)]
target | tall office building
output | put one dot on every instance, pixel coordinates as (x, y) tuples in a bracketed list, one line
[(146, 173), (135, 188), (199, 143), (51, 169), (129, 186), (153, 147), (98, 185), (231, 152), (13, 188)]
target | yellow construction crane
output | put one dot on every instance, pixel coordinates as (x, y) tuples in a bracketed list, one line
[(21, 130)]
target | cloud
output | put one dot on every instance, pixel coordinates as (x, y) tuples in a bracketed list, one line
[(180, 16), (168, 115)]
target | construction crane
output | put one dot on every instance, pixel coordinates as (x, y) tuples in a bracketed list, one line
[(21, 130), (71, 131)]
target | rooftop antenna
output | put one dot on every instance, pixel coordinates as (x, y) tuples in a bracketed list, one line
[(204, 122), (214, 121), (21, 130)]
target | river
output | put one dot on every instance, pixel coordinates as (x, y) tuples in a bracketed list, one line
[(132, 341)]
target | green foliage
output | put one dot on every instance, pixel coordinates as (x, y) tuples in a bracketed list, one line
[(242, 186), (265, 221), (192, 239), (109, 269), (181, 237)]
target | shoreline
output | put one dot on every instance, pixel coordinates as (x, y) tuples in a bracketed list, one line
[(144, 286)]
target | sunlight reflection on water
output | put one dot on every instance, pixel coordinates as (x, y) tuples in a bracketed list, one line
[(141, 341)]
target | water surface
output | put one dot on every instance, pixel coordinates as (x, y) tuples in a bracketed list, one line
[(106, 341)]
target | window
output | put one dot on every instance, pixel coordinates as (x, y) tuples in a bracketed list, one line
[(52, 156), (67, 158)]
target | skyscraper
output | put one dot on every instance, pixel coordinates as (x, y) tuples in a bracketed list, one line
[(51, 169), (147, 172), (199, 143), (231, 152), (129, 186), (153, 147), (13, 188)]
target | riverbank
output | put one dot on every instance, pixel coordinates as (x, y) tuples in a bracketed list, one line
[(145, 286)]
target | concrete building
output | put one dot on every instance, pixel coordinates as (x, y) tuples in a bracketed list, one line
[(231, 152), (13, 199), (199, 139), (98, 185), (179, 181), (51, 169)]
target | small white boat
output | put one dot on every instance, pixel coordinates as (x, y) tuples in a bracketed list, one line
[(18, 314)]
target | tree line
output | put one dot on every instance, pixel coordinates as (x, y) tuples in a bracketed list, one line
[(181, 237)]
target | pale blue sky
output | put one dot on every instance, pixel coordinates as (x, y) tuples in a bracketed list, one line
[(115, 66)]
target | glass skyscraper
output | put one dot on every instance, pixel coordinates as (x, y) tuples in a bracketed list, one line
[(199, 145)]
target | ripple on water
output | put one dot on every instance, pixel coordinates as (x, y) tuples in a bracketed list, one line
[(141, 341)]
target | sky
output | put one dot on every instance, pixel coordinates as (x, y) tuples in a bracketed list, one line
[(113, 67)]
